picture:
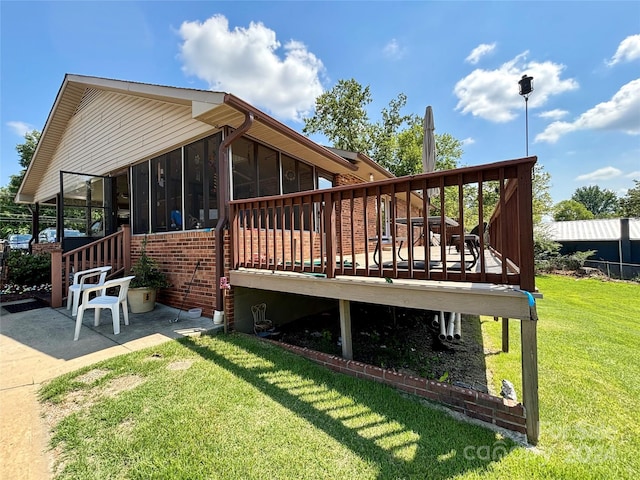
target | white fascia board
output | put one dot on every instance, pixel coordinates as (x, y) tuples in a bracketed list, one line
[(200, 108)]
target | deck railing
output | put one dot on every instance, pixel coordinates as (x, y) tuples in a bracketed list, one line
[(340, 231), (114, 250)]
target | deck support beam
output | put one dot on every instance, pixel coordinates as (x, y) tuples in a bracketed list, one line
[(529, 345), (505, 335), (345, 329)]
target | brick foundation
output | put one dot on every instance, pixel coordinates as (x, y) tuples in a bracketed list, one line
[(481, 406)]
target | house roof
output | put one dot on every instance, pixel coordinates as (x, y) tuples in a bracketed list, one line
[(367, 165), (594, 230), (214, 108)]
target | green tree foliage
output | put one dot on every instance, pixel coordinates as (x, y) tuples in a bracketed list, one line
[(17, 218), (395, 142), (630, 203), (602, 203), (542, 201), (29, 269), (571, 210), (385, 142), (341, 116)]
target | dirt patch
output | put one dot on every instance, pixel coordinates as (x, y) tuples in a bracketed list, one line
[(401, 339), (92, 375), (122, 384), (74, 402), (182, 365), (79, 400)]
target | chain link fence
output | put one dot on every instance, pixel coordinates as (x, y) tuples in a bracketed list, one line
[(619, 270)]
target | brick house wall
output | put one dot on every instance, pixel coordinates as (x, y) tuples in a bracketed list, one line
[(361, 236), (45, 247), (177, 255)]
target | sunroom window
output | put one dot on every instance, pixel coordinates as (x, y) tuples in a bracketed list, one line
[(166, 192), (179, 190)]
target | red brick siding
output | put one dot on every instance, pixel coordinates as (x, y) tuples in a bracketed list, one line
[(45, 247), (229, 309), (177, 255)]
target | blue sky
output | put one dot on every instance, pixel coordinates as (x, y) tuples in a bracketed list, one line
[(462, 58)]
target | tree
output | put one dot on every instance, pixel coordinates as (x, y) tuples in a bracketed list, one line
[(602, 203), (396, 141), (571, 210), (630, 203), (342, 117), (542, 201), (17, 218)]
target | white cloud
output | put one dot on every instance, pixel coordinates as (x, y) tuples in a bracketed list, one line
[(554, 114), (606, 173), (622, 192), (493, 94), (634, 175), (468, 141), (393, 50), (479, 52), (20, 128), (628, 50), (250, 63), (621, 113)]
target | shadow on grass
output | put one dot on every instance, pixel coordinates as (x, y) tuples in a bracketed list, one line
[(401, 436)]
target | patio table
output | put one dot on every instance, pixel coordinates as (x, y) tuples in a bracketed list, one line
[(431, 221)]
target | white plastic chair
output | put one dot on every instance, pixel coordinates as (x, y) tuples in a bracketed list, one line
[(80, 284), (105, 301)]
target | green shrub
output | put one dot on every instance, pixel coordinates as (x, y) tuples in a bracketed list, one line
[(147, 271), (547, 257), (574, 261), (545, 251), (27, 269)]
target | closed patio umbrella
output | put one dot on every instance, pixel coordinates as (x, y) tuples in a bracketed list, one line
[(429, 147)]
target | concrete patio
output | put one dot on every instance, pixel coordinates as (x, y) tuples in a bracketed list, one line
[(37, 345)]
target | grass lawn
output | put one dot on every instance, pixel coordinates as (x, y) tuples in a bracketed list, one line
[(233, 407), (589, 373)]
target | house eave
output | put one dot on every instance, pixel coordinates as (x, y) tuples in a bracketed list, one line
[(232, 112), (213, 108)]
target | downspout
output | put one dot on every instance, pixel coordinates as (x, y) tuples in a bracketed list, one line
[(223, 202)]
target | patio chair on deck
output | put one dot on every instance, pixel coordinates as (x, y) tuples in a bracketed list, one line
[(80, 284)]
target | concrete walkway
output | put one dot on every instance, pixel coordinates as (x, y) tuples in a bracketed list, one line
[(37, 346)]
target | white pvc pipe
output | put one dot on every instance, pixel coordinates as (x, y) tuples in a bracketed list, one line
[(457, 329), (443, 328), (452, 320), (435, 323)]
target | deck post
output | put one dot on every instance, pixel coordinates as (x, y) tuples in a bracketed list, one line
[(56, 278), (505, 335), (529, 341), (345, 329), (126, 248)]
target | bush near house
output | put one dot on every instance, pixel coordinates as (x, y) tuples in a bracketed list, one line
[(26, 269)]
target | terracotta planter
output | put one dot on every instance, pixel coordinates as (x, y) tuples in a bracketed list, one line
[(141, 299)]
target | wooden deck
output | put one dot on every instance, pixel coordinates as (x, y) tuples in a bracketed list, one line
[(319, 243)]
